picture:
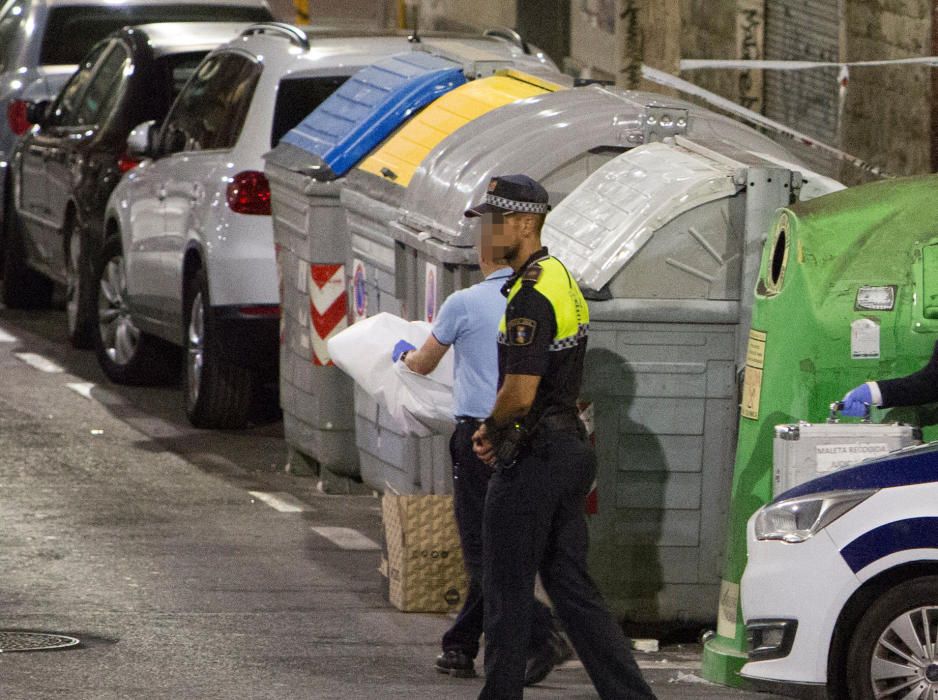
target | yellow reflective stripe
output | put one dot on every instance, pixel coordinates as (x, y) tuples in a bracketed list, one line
[(566, 299)]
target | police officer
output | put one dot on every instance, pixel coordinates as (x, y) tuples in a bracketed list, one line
[(912, 390), (468, 321), (534, 517)]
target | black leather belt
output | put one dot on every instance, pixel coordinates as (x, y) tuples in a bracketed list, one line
[(559, 422), (468, 419)]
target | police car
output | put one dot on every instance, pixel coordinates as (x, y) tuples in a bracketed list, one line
[(840, 593)]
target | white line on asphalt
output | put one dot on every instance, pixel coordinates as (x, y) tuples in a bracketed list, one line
[(83, 388), (39, 362), (283, 502), (6, 337), (347, 538)]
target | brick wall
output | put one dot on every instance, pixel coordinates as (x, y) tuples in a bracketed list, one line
[(709, 31), (459, 14), (887, 117)]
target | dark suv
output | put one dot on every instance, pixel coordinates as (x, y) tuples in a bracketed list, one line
[(64, 169)]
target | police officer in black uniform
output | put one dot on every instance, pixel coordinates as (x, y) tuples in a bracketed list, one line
[(534, 517)]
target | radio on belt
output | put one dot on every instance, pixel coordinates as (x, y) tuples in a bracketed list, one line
[(802, 451)]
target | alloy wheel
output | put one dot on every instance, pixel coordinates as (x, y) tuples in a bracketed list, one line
[(904, 665), (119, 335), (195, 349)]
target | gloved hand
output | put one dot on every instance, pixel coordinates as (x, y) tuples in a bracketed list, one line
[(399, 349), (857, 402)]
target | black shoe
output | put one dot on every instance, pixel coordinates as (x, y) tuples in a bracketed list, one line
[(554, 651), (456, 663)]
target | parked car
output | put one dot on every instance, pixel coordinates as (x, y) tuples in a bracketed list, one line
[(42, 42), (64, 169), (189, 257), (840, 593)]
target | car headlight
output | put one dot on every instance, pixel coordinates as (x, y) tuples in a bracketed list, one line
[(797, 519)]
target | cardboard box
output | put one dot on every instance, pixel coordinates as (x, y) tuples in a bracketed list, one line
[(423, 559)]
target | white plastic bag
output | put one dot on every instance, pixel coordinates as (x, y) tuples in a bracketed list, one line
[(421, 405)]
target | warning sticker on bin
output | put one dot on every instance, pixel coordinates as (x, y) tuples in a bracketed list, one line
[(752, 376), (359, 291)]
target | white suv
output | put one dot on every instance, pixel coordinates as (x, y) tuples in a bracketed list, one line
[(189, 255)]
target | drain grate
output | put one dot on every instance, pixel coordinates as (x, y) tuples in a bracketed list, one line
[(34, 641)]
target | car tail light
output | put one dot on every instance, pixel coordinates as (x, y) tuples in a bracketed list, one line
[(127, 162), (249, 193), (16, 116)]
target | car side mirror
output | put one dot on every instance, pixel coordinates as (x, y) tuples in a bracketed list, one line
[(141, 140), (38, 112)]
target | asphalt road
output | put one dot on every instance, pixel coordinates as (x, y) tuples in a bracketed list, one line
[(127, 528)]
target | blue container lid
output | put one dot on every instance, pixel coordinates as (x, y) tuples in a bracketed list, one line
[(369, 106)]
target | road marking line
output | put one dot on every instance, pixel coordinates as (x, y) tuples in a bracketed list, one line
[(7, 338), (283, 502), (39, 362), (347, 538), (82, 388)]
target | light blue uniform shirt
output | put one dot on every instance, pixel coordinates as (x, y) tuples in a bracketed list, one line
[(468, 320)]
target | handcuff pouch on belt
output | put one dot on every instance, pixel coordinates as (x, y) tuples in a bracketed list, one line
[(507, 441)]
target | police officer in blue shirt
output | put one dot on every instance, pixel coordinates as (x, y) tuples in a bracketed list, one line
[(468, 321)]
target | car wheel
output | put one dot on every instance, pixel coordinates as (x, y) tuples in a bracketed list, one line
[(126, 354), (893, 652), (80, 312), (23, 287), (218, 392)]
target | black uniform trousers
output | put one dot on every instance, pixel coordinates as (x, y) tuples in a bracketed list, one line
[(470, 483), (535, 521)]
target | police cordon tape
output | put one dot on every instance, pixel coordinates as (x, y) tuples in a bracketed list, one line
[(660, 77), (746, 64)]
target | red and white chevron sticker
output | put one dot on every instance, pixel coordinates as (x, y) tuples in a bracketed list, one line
[(328, 308)]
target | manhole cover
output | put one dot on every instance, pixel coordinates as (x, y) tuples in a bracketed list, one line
[(34, 641)]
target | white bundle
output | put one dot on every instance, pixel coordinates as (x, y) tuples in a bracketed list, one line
[(420, 404)]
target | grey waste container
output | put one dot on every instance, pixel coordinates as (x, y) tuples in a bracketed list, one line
[(304, 171), (371, 197), (665, 241), (558, 138)]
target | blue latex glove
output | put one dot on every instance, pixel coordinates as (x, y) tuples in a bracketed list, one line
[(399, 349), (857, 402)]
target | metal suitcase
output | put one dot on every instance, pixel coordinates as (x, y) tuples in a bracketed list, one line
[(803, 451)]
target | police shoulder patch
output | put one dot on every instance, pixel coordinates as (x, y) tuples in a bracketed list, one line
[(532, 274), (521, 331)]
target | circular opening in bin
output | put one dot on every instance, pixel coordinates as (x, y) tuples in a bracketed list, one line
[(779, 256)]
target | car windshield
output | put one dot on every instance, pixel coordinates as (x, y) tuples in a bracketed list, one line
[(72, 31), (296, 98)]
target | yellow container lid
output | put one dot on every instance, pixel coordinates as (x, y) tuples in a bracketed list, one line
[(397, 158)]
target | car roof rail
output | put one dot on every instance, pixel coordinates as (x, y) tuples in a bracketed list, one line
[(295, 35), (511, 35)]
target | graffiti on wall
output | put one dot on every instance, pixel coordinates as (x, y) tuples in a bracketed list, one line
[(750, 43)]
